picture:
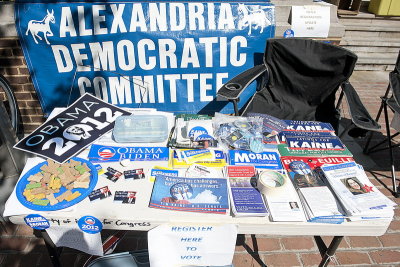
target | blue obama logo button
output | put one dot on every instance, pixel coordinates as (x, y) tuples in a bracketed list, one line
[(90, 224)]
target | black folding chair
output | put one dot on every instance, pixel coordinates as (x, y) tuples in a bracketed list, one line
[(299, 80), (12, 161), (391, 99)]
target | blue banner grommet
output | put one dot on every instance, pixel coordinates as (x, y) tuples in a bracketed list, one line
[(90, 224), (37, 222)]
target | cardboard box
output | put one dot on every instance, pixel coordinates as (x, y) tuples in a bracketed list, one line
[(384, 7)]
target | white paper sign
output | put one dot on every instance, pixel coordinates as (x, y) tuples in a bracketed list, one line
[(183, 245), (75, 238), (311, 21)]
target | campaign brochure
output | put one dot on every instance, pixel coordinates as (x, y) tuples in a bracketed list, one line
[(359, 196), (303, 172), (281, 197), (319, 202), (266, 159), (246, 200), (70, 131), (103, 153), (204, 195)]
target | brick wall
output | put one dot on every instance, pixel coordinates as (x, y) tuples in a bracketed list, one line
[(13, 67)]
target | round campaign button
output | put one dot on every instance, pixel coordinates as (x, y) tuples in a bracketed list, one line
[(90, 224), (288, 33), (300, 167), (37, 221), (196, 131)]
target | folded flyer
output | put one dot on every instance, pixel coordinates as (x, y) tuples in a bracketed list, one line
[(352, 186), (246, 200)]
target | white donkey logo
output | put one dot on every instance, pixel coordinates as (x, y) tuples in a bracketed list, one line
[(255, 18), (36, 26)]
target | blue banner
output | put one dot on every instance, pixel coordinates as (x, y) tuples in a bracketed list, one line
[(172, 56)]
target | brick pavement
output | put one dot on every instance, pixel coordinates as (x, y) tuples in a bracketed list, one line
[(20, 247)]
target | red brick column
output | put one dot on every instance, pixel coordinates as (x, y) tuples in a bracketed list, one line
[(14, 68)]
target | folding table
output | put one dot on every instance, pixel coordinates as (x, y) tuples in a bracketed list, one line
[(139, 217)]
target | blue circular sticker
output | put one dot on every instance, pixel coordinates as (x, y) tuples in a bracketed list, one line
[(203, 137), (196, 131), (37, 221), (90, 224), (300, 167), (288, 33)]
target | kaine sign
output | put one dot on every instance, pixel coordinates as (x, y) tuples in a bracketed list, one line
[(171, 56)]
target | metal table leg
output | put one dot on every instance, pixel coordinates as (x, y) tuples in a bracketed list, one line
[(54, 252), (327, 252)]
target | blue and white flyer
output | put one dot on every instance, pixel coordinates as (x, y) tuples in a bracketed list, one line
[(205, 195), (357, 194), (246, 200)]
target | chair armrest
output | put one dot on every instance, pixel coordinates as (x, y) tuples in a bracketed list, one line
[(358, 113), (233, 88)]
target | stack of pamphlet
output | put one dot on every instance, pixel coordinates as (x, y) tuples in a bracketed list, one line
[(306, 138), (246, 200), (282, 200), (312, 135), (281, 197), (204, 195), (319, 202), (360, 198), (192, 131)]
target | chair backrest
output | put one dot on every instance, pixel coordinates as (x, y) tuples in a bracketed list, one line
[(303, 77)]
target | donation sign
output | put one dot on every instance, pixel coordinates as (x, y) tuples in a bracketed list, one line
[(171, 56)]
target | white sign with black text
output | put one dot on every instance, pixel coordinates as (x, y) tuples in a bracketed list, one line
[(199, 245), (311, 21)]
